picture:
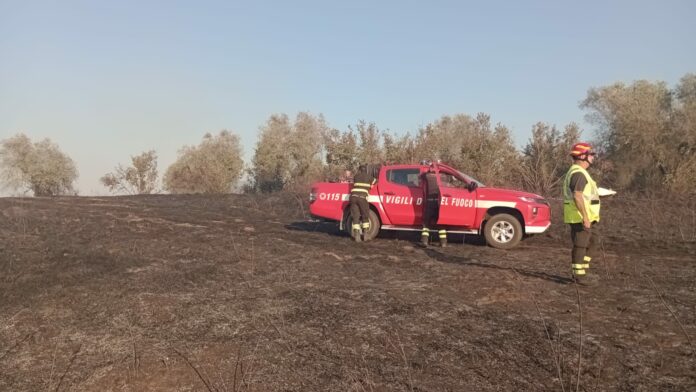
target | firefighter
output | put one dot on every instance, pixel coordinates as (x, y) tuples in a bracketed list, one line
[(431, 206), (581, 210), (359, 207)]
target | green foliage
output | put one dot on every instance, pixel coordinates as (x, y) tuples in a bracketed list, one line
[(545, 158), (647, 132), (139, 178), (289, 155), (399, 149), (358, 145), (37, 167), (471, 145), (214, 166), (683, 180), (369, 149), (341, 152)]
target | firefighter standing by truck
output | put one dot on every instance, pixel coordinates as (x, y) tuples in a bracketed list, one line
[(431, 206), (581, 211), (359, 206)]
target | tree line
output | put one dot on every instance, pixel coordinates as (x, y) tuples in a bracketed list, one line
[(645, 134)]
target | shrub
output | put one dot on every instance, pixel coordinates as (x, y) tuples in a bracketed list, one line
[(139, 178)]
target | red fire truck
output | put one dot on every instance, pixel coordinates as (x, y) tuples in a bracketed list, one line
[(502, 216)]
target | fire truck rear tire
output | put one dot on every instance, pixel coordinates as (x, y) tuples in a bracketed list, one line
[(371, 234), (375, 225), (502, 231)]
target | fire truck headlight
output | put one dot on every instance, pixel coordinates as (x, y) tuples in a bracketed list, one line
[(537, 200)]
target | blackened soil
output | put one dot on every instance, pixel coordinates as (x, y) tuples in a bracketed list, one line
[(240, 293)]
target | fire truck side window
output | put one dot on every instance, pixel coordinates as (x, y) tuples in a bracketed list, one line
[(407, 177), (448, 180)]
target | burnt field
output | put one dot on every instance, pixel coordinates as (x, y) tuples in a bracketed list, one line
[(236, 293)]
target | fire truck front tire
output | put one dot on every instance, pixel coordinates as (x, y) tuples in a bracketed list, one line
[(502, 231)]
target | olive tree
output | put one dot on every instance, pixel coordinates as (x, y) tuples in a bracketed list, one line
[(632, 124), (288, 155), (473, 145), (369, 149), (138, 178), (214, 166), (37, 167), (341, 152), (648, 132), (683, 179), (399, 149)]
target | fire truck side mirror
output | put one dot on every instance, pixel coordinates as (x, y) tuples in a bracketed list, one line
[(471, 186)]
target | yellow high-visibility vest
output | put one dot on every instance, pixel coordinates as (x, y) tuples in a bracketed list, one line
[(590, 195), (362, 187)]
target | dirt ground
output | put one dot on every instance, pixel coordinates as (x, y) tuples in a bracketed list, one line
[(236, 293)]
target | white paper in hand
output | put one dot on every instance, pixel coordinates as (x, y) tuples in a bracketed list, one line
[(605, 192)]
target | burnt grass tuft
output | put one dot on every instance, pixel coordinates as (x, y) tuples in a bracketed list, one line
[(240, 293)]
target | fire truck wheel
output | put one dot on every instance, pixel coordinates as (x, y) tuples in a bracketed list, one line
[(503, 231), (374, 225)]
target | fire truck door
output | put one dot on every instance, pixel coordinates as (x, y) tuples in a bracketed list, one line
[(402, 196), (458, 204)]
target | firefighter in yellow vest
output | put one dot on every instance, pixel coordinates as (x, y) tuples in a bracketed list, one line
[(581, 210), (359, 206)]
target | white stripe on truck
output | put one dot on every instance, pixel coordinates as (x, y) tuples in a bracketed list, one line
[(494, 203), (536, 229)]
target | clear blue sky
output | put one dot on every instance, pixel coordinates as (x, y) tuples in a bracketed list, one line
[(110, 79)]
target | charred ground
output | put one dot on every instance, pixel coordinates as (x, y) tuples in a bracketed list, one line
[(237, 293)]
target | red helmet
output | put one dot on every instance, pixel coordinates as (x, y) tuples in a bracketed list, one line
[(580, 149)]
